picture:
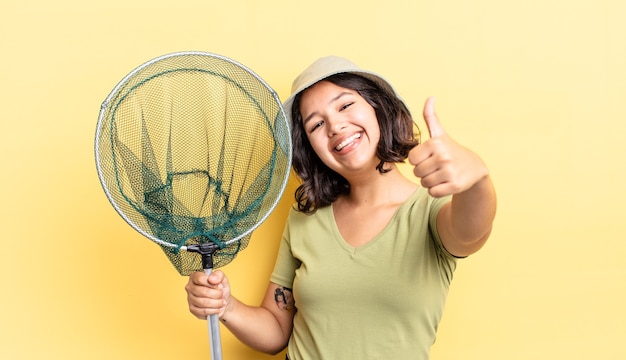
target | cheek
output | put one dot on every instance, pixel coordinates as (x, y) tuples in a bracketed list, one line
[(320, 148), (317, 143), (372, 126)]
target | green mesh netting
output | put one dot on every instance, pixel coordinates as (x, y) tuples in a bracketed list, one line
[(193, 148)]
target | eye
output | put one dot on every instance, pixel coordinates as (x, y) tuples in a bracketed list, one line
[(316, 125), (345, 106)]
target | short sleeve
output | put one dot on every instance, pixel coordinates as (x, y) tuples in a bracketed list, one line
[(286, 264), (435, 207)]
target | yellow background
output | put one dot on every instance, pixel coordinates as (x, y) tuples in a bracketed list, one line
[(537, 87)]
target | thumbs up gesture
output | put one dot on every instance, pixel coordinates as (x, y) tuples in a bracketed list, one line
[(444, 166)]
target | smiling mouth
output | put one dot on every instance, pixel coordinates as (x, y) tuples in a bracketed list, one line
[(348, 141)]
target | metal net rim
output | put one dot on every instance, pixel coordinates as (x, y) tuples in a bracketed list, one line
[(125, 80)]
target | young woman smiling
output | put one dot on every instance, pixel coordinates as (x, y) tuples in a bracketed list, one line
[(367, 255)]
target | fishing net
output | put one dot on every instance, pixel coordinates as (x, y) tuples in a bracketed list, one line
[(193, 150)]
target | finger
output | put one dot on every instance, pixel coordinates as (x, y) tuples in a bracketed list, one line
[(202, 296), (216, 277), (416, 155), (425, 167), (427, 151), (198, 278), (430, 117), (421, 153), (440, 190), (201, 308)]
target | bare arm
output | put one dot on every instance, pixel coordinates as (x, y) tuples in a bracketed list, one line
[(447, 168), (465, 223), (265, 328)]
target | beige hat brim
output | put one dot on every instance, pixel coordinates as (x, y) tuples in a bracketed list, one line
[(325, 67)]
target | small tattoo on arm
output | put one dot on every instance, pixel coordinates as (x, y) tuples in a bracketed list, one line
[(284, 298)]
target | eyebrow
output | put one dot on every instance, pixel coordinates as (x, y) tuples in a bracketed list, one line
[(343, 93)]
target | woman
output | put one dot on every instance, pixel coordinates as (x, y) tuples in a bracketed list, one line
[(367, 255)]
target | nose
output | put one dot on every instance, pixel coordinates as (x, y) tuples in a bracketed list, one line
[(335, 125)]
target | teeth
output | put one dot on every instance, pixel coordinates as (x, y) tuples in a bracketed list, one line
[(348, 141)]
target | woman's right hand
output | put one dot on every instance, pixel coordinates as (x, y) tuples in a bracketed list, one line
[(208, 294)]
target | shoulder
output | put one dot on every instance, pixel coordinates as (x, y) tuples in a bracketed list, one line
[(421, 202), (296, 215), (300, 224)]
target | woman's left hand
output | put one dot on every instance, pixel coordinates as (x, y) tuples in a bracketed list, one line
[(444, 166)]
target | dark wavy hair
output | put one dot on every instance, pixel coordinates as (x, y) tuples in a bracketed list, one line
[(398, 135)]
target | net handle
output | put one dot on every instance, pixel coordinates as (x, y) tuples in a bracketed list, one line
[(214, 331), (206, 250)]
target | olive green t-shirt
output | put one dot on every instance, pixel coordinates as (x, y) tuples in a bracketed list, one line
[(382, 300)]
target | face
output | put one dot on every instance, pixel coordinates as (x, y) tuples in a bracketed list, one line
[(341, 127)]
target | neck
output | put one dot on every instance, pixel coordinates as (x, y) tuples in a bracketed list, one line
[(375, 188)]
